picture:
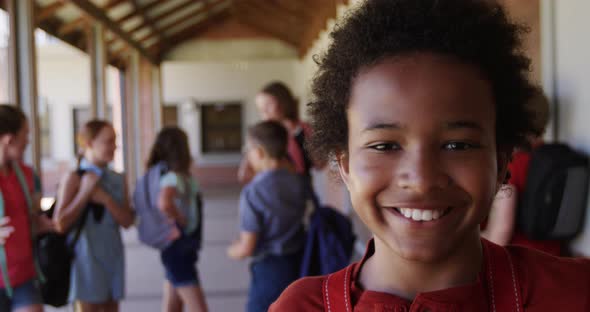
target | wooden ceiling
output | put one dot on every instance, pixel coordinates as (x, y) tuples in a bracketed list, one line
[(154, 27)]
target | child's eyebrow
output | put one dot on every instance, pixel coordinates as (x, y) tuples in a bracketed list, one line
[(463, 124), (383, 126)]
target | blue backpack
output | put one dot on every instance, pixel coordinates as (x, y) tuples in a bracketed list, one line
[(330, 240), (153, 226)]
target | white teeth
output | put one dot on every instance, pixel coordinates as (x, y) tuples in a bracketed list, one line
[(416, 215), (406, 212), (426, 215), (421, 215)]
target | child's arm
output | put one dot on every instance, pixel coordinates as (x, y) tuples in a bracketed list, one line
[(122, 213), (244, 247), (73, 195), (168, 206), (5, 229), (502, 216)]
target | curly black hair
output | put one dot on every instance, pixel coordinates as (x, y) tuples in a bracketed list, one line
[(474, 32)]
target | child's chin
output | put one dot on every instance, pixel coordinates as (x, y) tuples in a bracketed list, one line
[(422, 252)]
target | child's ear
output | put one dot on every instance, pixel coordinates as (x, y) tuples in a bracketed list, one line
[(344, 168), (259, 152), (6, 139)]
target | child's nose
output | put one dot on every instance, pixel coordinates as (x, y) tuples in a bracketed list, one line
[(421, 172)]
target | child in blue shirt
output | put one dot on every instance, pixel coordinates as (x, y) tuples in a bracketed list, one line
[(271, 217)]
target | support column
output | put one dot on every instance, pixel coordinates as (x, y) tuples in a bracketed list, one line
[(24, 71), (131, 125), (548, 67), (158, 103), (97, 52)]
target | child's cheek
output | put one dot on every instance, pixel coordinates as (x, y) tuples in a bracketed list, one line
[(368, 178)]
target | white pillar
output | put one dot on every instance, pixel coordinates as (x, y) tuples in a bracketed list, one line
[(157, 96), (97, 52), (24, 70), (548, 67)]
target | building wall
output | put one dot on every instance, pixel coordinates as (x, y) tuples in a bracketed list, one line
[(189, 83), (63, 75)]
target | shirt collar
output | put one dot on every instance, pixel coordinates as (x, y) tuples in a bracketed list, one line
[(88, 166), (471, 297)]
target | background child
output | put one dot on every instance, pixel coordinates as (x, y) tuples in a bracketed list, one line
[(421, 103), (98, 270), (178, 200), (271, 217), (16, 227), (276, 102)]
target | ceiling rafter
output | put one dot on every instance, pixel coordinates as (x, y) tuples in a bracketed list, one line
[(194, 30), (186, 16), (148, 21), (134, 13), (257, 16), (113, 3), (48, 11), (100, 15), (160, 16), (72, 26)]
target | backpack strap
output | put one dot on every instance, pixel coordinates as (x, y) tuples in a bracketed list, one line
[(336, 291), (29, 199), (504, 289)]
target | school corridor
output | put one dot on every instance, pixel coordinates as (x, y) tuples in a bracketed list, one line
[(225, 281)]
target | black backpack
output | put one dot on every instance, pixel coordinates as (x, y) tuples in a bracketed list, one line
[(553, 204), (55, 254)]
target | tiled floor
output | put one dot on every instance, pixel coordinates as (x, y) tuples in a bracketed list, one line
[(225, 281)]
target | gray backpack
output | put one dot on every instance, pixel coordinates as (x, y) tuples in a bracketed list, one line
[(153, 226)]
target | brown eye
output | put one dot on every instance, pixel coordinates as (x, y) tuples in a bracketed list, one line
[(459, 146), (384, 147)]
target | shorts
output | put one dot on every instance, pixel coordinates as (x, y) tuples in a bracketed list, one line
[(270, 276), (180, 262), (24, 295)]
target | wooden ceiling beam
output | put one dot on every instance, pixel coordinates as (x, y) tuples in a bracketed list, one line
[(279, 27), (134, 13), (100, 15), (186, 16), (159, 17), (148, 21), (74, 25), (113, 3), (195, 30), (49, 10)]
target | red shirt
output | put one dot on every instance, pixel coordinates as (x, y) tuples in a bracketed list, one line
[(519, 167), (546, 283), (19, 251)]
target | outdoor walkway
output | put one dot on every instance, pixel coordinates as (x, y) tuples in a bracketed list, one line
[(225, 281)]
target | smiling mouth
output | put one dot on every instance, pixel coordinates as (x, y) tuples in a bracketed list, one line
[(422, 214)]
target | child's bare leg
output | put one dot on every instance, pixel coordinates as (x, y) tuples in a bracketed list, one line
[(171, 301), (192, 298)]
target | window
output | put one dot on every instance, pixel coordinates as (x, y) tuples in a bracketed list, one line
[(221, 127)]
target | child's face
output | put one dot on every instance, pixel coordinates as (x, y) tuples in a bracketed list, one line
[(104, 145), (16, 144), (421, 142)]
